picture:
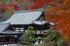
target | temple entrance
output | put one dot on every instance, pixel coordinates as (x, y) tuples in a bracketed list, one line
[(7, 39), (10, 37)]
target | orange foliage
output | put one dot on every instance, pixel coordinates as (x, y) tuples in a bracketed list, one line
[(39, 3), (69, 44), (62, 15), (11, 7)]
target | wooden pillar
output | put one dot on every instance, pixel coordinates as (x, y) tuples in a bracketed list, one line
[(10, 39), (24, 28), (1, 38), (13, 39), (18, 39), (19, 28), (5, 39), (15, 27)]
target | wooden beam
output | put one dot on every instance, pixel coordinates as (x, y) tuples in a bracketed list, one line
[(24, 28), (12, 27), (19, 28), (1, 38), (15, 27)]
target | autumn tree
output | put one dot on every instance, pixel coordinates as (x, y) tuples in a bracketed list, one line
[(56, 10), (7, 7), (39, 3)]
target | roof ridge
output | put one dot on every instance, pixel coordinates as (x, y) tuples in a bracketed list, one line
[(4, 23), (22, 11)]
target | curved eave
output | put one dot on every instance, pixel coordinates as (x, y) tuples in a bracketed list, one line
[(4, 33)]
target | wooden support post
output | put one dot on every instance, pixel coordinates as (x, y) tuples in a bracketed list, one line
[(24, 29), (19, 28), (1, 38), (15, 27)]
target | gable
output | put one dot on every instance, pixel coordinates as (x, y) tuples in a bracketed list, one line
[(5, 26)]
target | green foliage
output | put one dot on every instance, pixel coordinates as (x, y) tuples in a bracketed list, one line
[(5, 2), (42, 38), (30, 29), (48, 32), (51, 43), (63, 43), (29, 37), (54, 39)]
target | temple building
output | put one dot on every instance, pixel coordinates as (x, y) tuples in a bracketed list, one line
[(8, 35), (20, 20)]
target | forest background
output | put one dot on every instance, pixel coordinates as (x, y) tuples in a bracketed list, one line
[(57, 11)]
